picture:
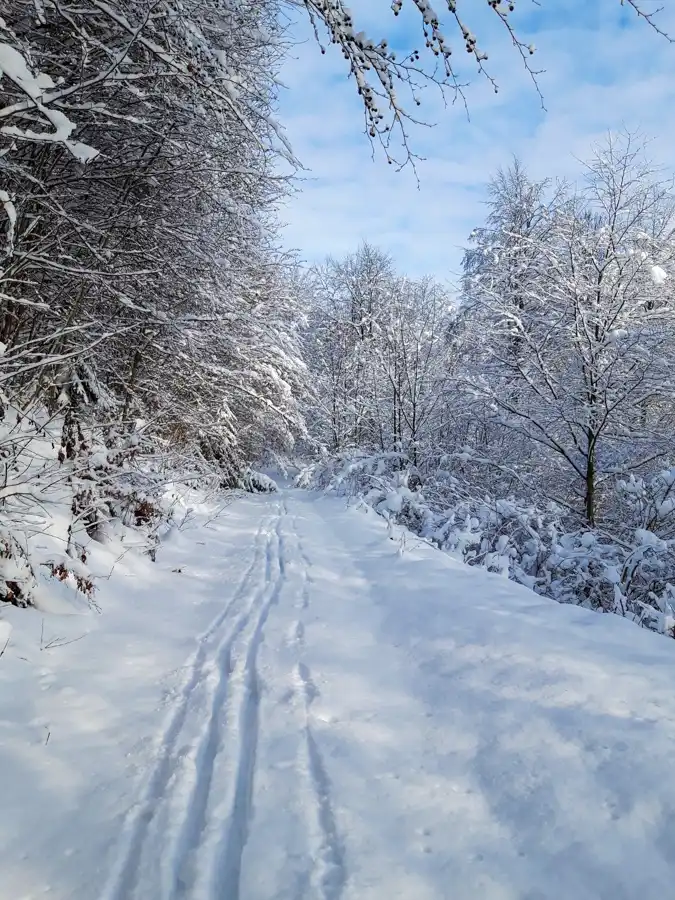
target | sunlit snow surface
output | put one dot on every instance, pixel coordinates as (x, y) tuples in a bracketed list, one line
[(289, 704)]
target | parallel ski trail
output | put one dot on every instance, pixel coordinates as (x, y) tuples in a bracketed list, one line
[(122, 882), (198, 843), (209, 747), (221, 852)]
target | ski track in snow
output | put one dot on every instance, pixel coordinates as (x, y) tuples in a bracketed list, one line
[(246, 727), (306, 567), (234, 698), (202, 855), (328, 874)]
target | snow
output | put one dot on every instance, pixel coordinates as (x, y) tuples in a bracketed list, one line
[(659, 275), (10, 211), (15, 68), (394, 501), (13, 65), (5, 635), (289, 704)]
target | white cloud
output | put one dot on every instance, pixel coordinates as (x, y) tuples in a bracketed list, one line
[(595, 80)]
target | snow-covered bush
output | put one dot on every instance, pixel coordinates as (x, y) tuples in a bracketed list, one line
[(256, 483), (39, 522), (631, 580), (634, 578), (66, 483)]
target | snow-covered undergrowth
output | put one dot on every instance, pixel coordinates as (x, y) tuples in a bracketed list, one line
[(64, 488), (68, 487), (535, 547), (256, 482)]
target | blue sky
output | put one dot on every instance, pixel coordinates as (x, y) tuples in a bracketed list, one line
[(604, 70)]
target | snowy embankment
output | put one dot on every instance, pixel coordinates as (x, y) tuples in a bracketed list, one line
[(555, 556), (289, 704)]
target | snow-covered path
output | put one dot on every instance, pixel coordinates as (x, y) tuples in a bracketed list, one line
[(287, 707)]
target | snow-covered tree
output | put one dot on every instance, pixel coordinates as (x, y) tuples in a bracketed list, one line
[(145, 308), (577, 368), (377, 346)]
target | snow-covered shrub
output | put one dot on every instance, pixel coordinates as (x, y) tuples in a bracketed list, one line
[(66, 483), (634, 578), (501, 535), (256, 482), (38, 537), (648, 503), (17, 578), (351, 473), (630, 580)]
